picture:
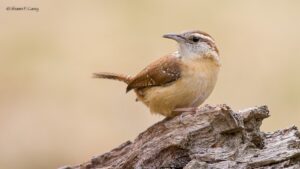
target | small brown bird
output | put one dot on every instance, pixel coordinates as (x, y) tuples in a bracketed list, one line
[(177, 82)]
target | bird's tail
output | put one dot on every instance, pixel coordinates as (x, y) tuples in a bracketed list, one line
[(113, 76)]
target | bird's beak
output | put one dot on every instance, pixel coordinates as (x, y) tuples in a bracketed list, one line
[(176, 37)]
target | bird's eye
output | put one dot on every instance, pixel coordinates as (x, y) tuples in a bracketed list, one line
[(195, 38)]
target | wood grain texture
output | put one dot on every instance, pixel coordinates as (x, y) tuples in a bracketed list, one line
[(215, 137)]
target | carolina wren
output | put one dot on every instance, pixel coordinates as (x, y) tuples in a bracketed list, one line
[(179, 81)]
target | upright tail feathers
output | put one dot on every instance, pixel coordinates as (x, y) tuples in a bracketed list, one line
[(113, 76)]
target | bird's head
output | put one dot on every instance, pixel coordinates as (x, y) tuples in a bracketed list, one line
[(194, 43)]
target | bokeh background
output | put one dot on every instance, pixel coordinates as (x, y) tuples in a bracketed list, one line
[(52, 113)]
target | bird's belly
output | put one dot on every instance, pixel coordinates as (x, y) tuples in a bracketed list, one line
[(190, 90)]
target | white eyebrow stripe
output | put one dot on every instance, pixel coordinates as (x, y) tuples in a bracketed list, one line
[(205, 37)]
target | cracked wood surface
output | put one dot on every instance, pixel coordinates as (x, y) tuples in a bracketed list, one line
[(215, 137)]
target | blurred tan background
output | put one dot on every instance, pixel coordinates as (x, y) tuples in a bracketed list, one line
[(52, 112)]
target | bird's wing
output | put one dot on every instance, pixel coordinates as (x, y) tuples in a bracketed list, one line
[(161, 72)]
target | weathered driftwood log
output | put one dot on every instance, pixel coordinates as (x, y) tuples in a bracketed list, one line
[(214, 137)]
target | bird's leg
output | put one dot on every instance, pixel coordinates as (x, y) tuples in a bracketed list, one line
[(186, 109)]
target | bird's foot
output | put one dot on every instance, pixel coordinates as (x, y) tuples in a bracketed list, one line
[(186, 109), (181, 112)]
